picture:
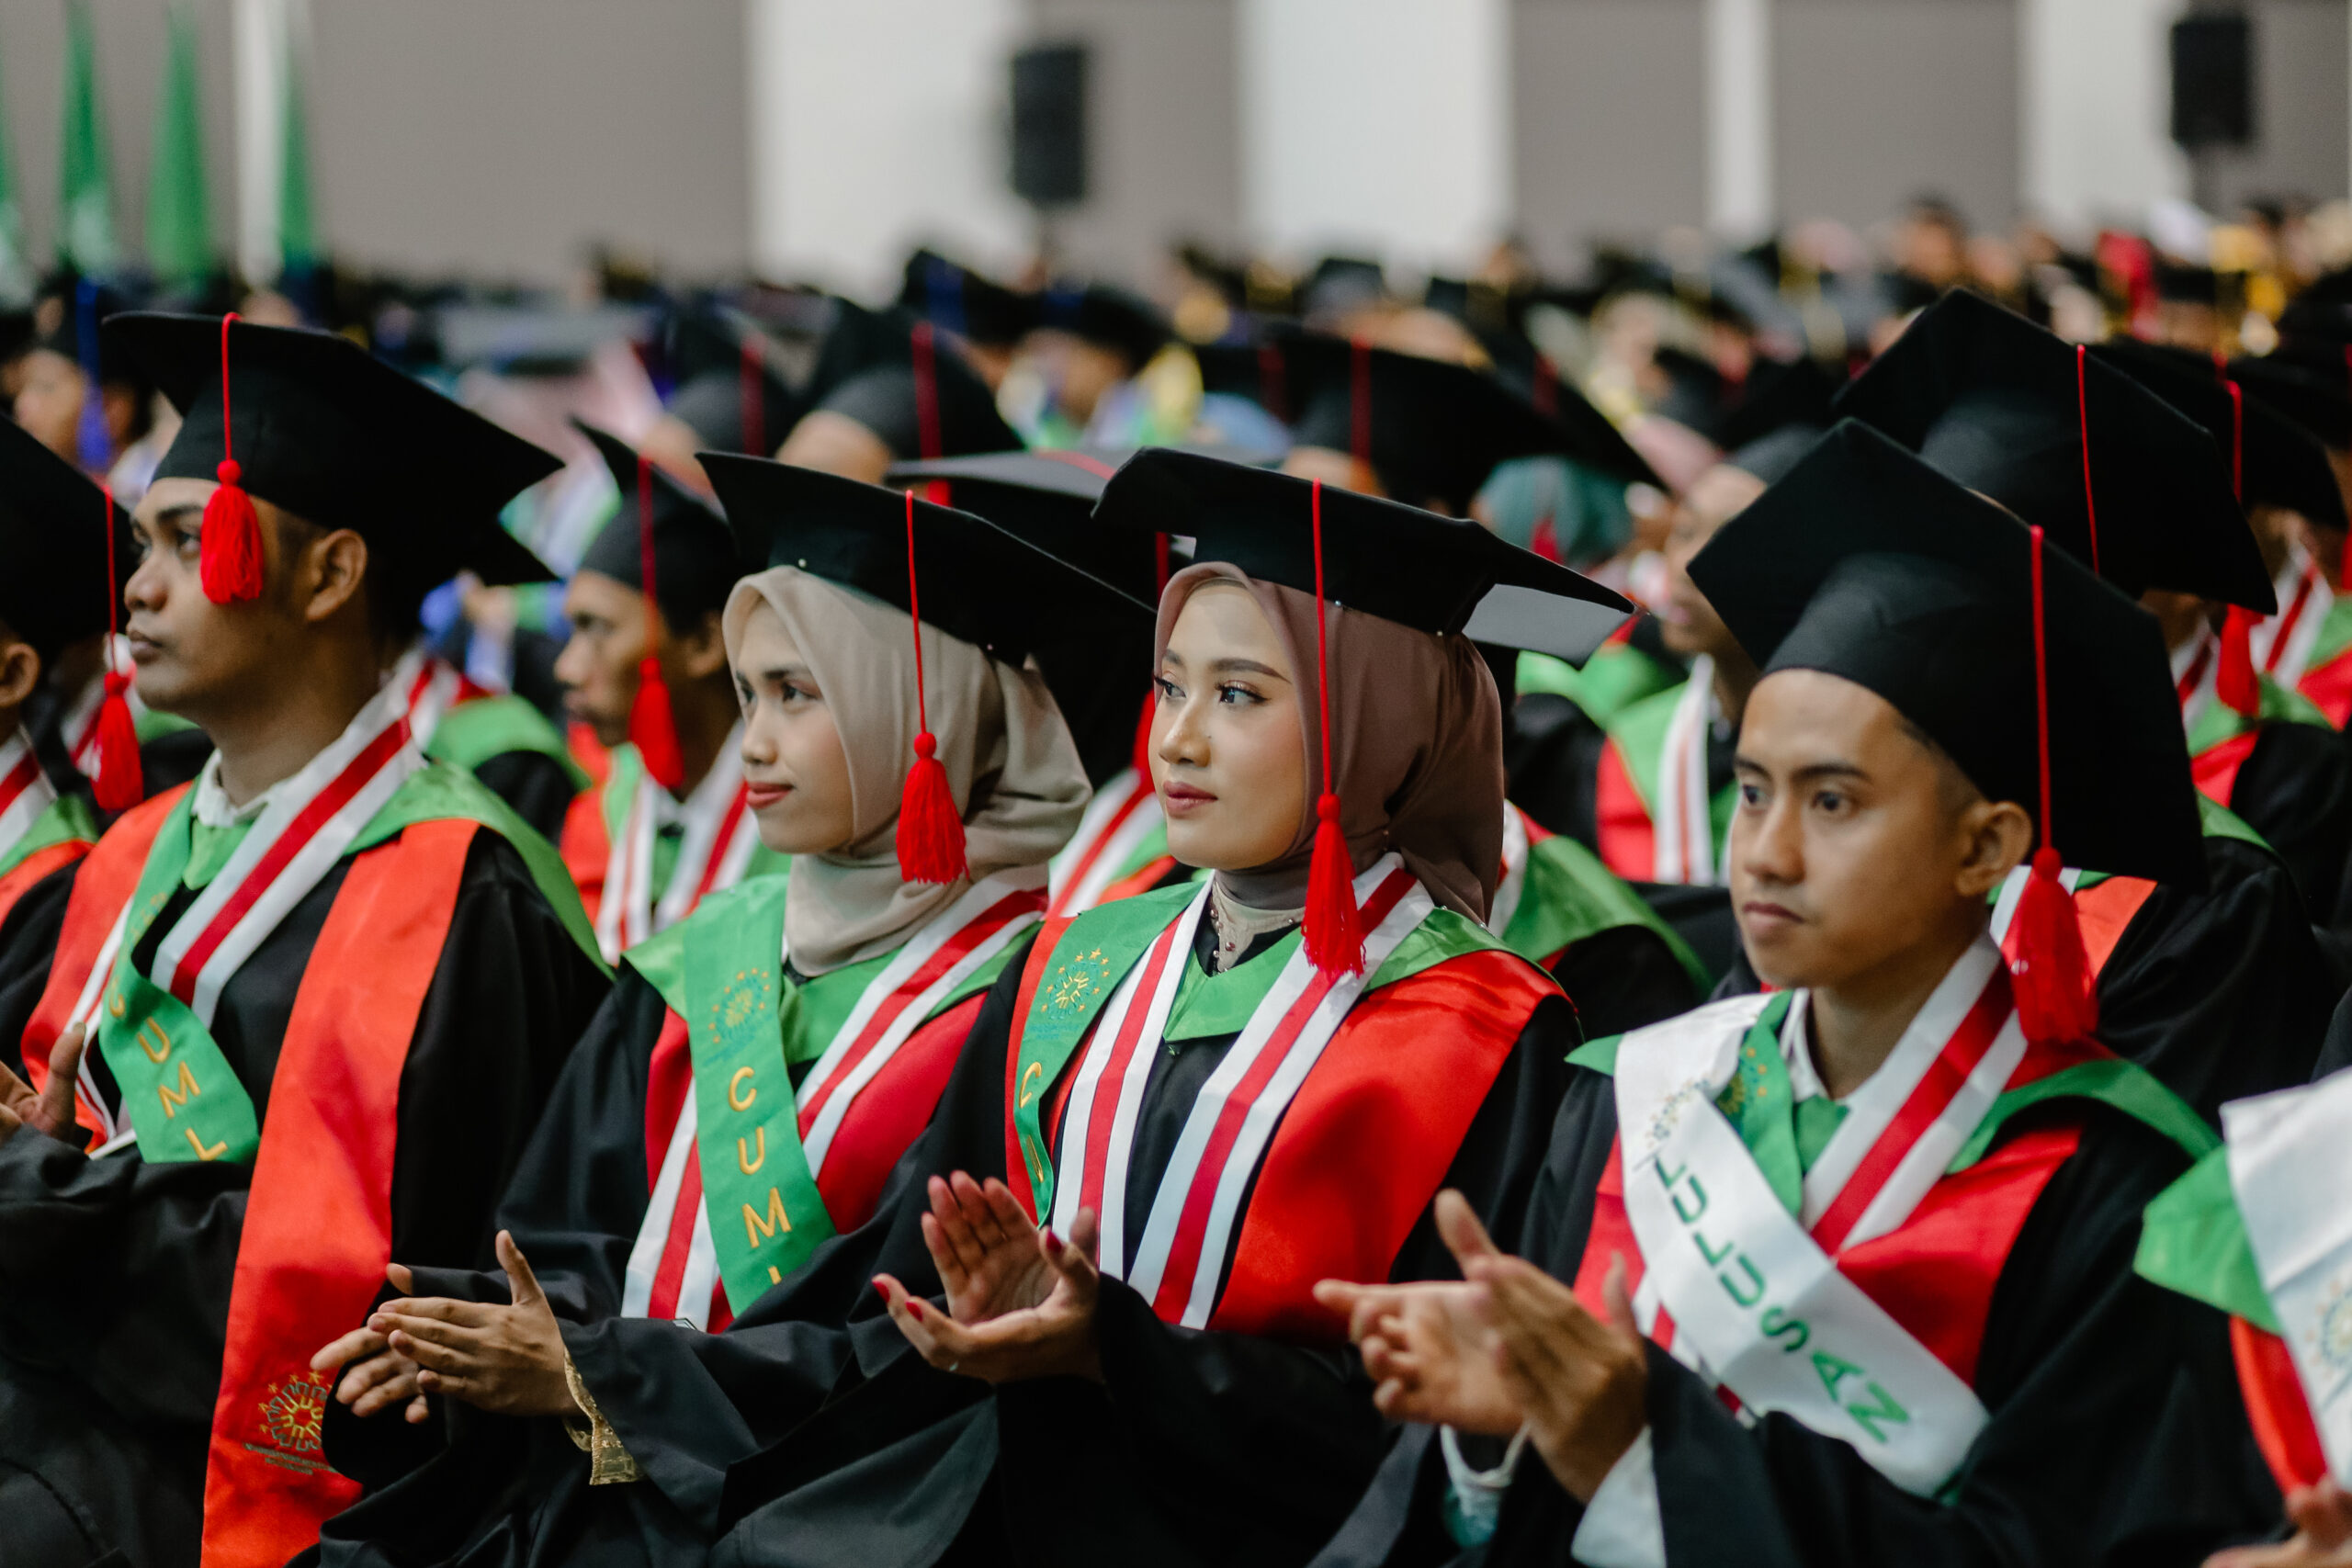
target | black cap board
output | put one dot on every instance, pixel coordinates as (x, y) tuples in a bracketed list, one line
[(1381, 557), (2318, 400), (866, 371), (54, 589), (1773, 456), (1111, 318), (1866, 563), (2282, 464), (695, 562), (977, 582), (972, 306), (726, 377), (341, 439), (1994, 401)]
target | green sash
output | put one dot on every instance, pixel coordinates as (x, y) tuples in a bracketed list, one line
[(182, 1098), (471, 733), (1093, 956), (2222, 722), (1639, 732), (65, 819)]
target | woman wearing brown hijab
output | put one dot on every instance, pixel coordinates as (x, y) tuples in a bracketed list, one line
[(1177, 1112)]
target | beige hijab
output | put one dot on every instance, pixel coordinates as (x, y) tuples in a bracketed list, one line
[(1010, 763), (1415, 746)]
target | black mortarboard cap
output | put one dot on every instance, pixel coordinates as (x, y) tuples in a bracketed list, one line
[(342, 440), (55, 589), (1775, 393), (1866, 563), (2315, 393), (1773, 456), (694, 560), (731, 392), (1994, 401), (1381, 557), (975, 580), (1127, 323), (2272, 460), (972, 306), (870, 369)]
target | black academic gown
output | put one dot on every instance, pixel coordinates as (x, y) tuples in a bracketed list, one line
[(1623, 978), (2116, 1436), (2219, 993), (808, 1432), (538, 787), (29, 935), (115, 1274), (2295, 789)]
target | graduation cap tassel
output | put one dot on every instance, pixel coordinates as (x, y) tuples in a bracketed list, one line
[(120, 784), (931, 830), (2083, 416), (1140, 760), (1334, 933), (2051, 977), (652, 728), (230, 558), (2235, 682)]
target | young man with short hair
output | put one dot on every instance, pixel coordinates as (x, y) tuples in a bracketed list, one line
[(303, 1014)]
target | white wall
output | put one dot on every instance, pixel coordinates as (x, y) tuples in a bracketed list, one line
[(1381, 126), (877, 124), (1740, 197), (2093, 105)]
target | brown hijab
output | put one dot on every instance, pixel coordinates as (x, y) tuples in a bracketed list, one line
[(1010, 763), (1416, 747)]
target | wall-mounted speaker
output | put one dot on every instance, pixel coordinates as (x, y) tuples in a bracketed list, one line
[(2213, 80), (1049, 124)]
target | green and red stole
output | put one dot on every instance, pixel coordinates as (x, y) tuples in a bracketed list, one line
[(635, 882), (1849, 1292), (1346, 1098), (1654, 817), (1556, 893), (1617, 676), (2259, 1228), (749, 1170), (455, 719), (317, 1228), (1120, 848), (39, 829), (2300, 638), (2220, 737)]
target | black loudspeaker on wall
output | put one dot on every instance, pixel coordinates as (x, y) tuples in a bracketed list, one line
[(2213, 80), (1049, 124)]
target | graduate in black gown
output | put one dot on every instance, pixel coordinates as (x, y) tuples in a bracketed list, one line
[(846, 1021), (343, 980), (1843, 1275)]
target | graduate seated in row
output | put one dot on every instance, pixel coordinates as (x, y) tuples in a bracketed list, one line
[(671, 821), (302, 1015), (1842, 1274), (763, 1062)]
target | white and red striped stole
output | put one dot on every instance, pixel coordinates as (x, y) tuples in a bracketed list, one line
[(673, 1266), (25, 790), (2282, 644), (720, 837), (1685, 849), (1178, 1263), (1122, 815), (431, 686)]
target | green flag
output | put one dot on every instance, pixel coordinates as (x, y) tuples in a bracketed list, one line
[(298, 237), (15, 263), (86, 205), (179, 201)]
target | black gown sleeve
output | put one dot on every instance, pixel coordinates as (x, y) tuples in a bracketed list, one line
[(28, 943), (1622, 978), (2115, 1434), (536, 785), (2295, 789), (1554, 761)]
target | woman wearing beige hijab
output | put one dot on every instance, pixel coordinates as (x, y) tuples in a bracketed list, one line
[(762, 1065), (1178, 1112)]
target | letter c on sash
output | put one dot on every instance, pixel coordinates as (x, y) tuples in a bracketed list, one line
[(734, 1082), (1029, 1077), (743, 1155)]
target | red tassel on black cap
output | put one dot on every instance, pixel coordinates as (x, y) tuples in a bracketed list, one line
[(2051, 977), (652, 728), (230, 558), (120, 783), (1334, 936), (931, 830), (2083, 416), (2235, 682), (1141, 759)]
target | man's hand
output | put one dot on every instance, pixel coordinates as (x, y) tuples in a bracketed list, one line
[(1583, 1382), (2322, 1516), (1020, 1302), (50, 1110), (508, 1360), (1429, 1347), (376, 1376)]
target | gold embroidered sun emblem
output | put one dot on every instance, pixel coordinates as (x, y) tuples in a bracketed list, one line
[(745, 998), (291, 1415), (1087, 973)]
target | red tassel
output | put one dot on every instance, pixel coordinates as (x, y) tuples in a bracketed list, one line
[(2235, 682), (2050, 979), (119, 785), (1334, 928), (651, 728), (1141, 760), (230, 556), (931, 832)]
